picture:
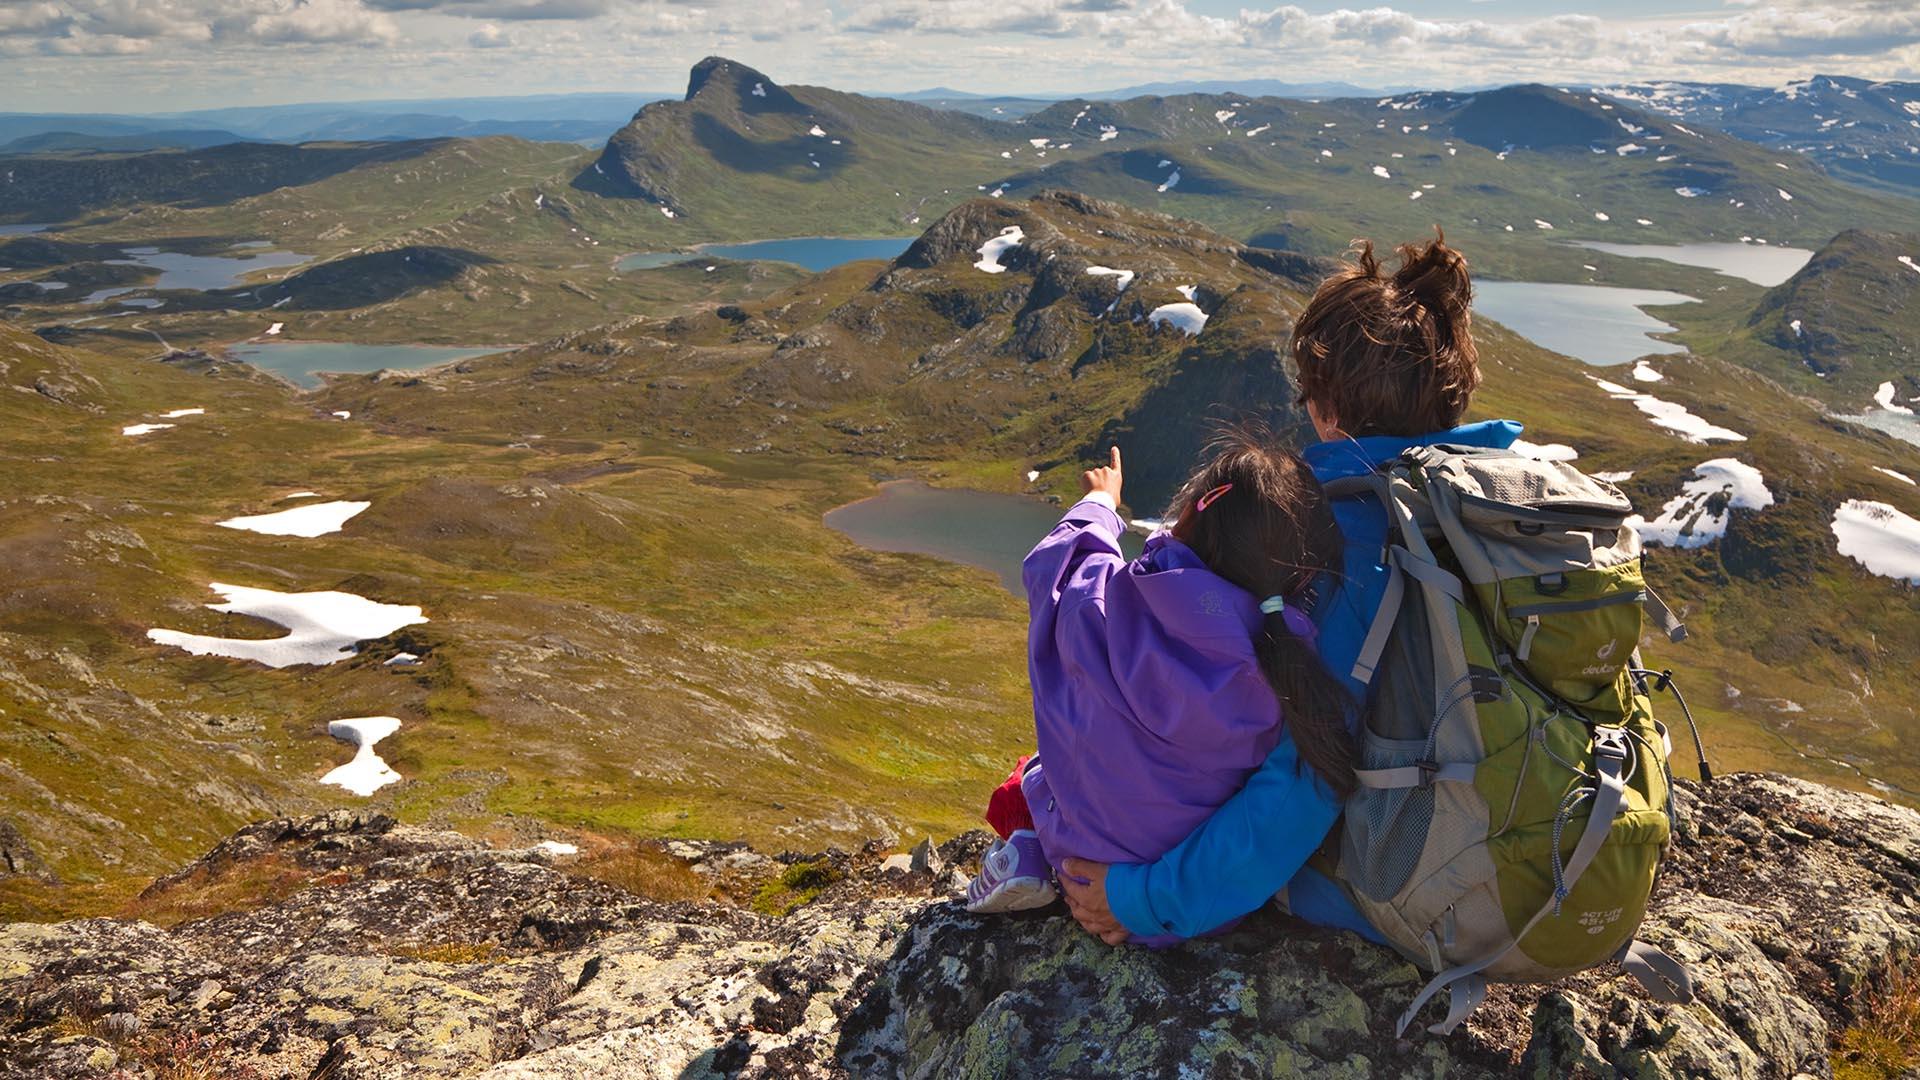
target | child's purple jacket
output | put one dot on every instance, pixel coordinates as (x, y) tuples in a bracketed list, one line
[(1149, 703)]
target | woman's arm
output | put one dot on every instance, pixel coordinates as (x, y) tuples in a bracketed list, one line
[(1228, 866)]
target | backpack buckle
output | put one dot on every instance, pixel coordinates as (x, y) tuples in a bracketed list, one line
[(1427, 771)]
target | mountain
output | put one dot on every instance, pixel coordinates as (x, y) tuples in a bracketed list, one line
[(1240, 87), (936, 93), (598, 112), (555, 117), (350, 944), (57, 187), (935, 358), (1847, 323), (1512, 171), (726, 162), (15, 126), (743, 148), (168, 139), (1864, 131), (989, 108)]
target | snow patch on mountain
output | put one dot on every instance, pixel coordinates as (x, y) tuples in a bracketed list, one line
[(367, 772), (314, 519), (1187, 317), (322, 627), (1674, 417), (1880, 538), (991, 251), (1545, 451), (1698, 515)]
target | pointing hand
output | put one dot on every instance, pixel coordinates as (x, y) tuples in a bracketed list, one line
[(1105, 478)]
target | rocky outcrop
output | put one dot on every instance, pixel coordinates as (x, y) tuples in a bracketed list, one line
[(371, 949)]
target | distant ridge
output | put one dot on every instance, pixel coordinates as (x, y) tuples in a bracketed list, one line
[(1862, 130), (1254, 87), (59, 141)]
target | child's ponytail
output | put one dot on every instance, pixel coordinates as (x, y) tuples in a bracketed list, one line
[(1318, 709)]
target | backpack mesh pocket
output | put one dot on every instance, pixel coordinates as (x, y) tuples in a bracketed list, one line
[(1386, 830)]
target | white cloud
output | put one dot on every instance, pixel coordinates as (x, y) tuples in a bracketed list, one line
[(313, 22), (31, 18), (186, 53), (503, 9), (125, 27), (1799, 29)]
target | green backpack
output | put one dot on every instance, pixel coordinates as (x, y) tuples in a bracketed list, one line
[(1514, 800)]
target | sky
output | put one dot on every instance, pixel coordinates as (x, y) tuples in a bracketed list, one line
[(150, 56)]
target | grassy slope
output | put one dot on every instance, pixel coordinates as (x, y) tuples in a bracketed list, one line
[(1857, 306), (1780, 616), (689, 677), (655, 675)]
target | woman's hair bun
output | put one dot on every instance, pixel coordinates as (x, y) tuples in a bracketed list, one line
[(1435, 276)]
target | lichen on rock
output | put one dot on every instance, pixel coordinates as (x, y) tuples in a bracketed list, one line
[(406, 952)]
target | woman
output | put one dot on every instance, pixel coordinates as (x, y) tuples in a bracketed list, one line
[(1385, 362)]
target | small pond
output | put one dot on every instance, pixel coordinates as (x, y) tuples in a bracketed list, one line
[(978, 528), (815, 253)]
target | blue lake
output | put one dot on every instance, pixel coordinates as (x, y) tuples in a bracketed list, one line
[(814, 253), (200, 272), (302, 362), (21, 230), (978, 528), (1600, 324)]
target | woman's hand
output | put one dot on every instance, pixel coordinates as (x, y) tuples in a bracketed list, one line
[(1105, 478), (1084, 882)]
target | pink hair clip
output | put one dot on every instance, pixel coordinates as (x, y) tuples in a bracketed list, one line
[(1207, 499)]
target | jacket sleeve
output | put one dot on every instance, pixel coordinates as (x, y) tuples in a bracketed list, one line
[(1235, 860), (1074, 561)]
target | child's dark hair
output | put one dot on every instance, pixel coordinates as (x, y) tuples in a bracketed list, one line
[(1390, 354), (1273, 534)]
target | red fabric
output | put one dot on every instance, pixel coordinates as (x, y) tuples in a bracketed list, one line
[(1007, 806)]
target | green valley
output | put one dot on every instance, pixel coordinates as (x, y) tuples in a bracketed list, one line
[(636, 621)]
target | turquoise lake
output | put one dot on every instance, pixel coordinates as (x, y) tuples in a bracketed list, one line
[(302, 362)]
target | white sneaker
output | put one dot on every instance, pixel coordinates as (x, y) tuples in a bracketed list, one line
[(1014, 876)]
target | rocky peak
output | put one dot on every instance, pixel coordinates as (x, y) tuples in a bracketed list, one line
[(718, 82), (383, 950)]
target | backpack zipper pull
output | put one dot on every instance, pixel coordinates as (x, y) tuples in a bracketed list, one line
[(1526, 639)]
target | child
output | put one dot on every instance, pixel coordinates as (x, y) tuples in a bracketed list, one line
[(1160, 684)]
